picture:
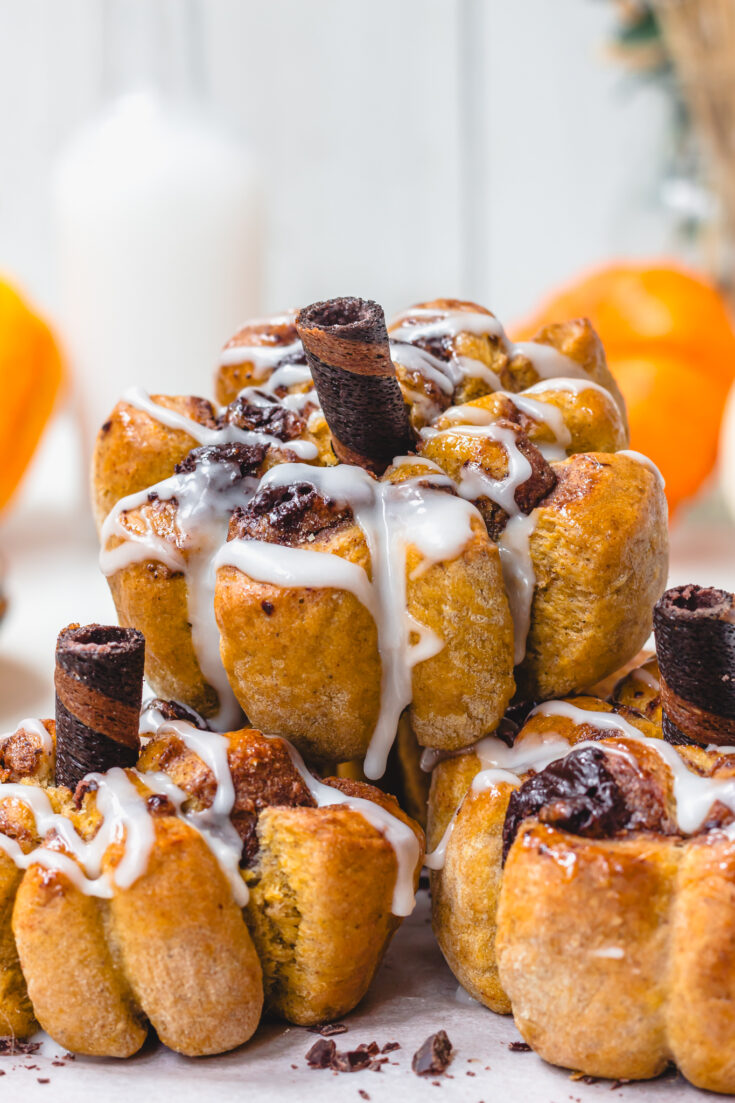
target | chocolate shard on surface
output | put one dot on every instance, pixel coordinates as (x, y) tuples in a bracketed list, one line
[(346, 344), (694, 628), (434, 1056), (321, 1054), (99, 687)]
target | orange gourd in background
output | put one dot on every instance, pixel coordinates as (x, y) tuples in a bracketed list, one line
[(670, 344), (30, 374)]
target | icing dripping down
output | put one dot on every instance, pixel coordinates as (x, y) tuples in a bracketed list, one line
[(694, 795), (514, 543), (400, 836), (121, 798), (205, 497), (228, 434), (392, 517)]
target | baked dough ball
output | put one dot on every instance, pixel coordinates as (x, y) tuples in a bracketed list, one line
[(465, 891), (319, 645), (600, 556)]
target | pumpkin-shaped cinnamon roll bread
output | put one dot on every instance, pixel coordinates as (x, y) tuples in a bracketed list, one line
[(305, 880), (428, 562), (585, 865)]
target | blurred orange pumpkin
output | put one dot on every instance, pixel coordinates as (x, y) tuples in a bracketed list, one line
[(670, 344), (30, 374)]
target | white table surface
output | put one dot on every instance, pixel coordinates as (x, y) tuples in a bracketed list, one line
[(52, 579)]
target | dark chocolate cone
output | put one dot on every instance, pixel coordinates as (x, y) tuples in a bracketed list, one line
[(347, 349), (695, 644), (99, 687)]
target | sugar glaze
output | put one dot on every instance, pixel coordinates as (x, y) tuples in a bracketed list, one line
[(416, 512), (121, 799), (694, 795)]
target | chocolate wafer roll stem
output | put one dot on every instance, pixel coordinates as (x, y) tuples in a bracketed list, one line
[(346, 343), (695, 643), (99, 688)]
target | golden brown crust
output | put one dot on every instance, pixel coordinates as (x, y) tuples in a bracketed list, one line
[(466, 890), (134, 451), (591, 417), (639, 688), (320, 904), (582, 948), (600, 555), (268, 632), (578, 340), (187, 954), (79, 993), (231, 378)]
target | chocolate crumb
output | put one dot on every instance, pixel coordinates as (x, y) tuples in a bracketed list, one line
[(519, 1047), (321, 1054), (328, 1029), (351, 1060), (60, 1064), (10, 1046), (390, 1046), (434, 1056), (619, 1083), (469, 1072), (42, 1080), (294, 1066), (363, 1094), (267, 607)]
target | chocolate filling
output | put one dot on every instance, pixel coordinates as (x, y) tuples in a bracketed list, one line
[(244, 459), (527, 496), (262, 773), (591, 793), (287, 515), (273, 419), (177, 710)]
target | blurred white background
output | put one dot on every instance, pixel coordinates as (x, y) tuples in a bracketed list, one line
[(409, 148)]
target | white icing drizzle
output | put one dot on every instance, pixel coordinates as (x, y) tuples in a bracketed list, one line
[(124, 815), (287, 375), (125, 818), (538, 409), (430, 323), (137, 397), (573, 384), (392, 517), (519, 576), (260, 356), (548, 362), (206, 497), (400, 836), (213, 823), (644, 461), (694, 795)]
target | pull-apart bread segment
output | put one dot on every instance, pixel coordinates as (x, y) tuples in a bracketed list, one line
[(109, 930), (584, 865), (329, 703), (427, 520)]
